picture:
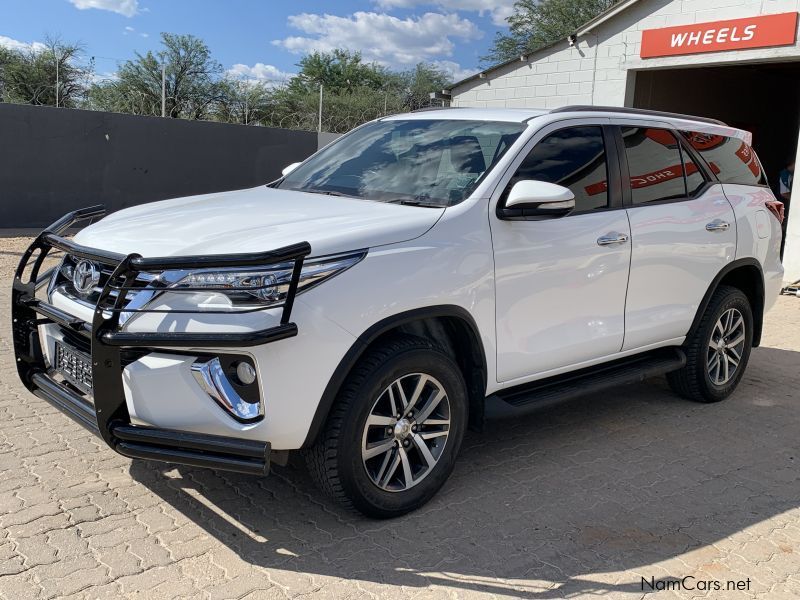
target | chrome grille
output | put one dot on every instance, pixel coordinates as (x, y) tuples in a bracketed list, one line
[(64, 283)]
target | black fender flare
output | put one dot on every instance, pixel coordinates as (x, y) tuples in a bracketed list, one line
[(758, 309), (363, 341)]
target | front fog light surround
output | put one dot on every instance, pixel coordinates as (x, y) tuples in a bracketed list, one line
[(239, 399)]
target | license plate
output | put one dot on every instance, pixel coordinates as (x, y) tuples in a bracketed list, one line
[(74, 366)]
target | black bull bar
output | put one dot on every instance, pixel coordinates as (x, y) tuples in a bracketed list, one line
[(108, 417)]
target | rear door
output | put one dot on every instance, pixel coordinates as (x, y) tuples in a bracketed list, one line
[(683, 231)]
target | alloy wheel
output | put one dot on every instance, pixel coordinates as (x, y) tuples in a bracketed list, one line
[(726, 346), (406, 432)]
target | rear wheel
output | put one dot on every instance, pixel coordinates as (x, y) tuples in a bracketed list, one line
[(718, 351), (393, 435)]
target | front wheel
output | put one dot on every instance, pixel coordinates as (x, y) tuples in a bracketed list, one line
[(718, 351), (394, 432)]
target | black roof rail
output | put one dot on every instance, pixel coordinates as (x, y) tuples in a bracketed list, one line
[(636, 111), (427, 108)]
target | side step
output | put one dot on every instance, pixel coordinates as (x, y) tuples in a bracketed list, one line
[(534, 395)]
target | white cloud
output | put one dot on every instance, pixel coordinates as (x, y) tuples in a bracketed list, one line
[(126, 8), (259, 72), (12, 44), (454, 70), (129, 28), (499, 10), (380, 37)]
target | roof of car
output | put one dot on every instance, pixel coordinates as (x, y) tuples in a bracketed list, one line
[(513, 115), (523, 115)]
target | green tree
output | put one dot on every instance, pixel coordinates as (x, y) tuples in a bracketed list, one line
[(46, 74), (193, 81), (536, 23), (339, 71), (245, 102), (419, 82)]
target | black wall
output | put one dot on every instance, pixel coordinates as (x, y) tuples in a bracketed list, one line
[(55, 160)]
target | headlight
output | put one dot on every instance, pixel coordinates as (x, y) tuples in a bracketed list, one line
[(261, 287)]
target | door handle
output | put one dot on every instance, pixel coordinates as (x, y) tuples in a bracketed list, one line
[(612, 239), (718, 225)]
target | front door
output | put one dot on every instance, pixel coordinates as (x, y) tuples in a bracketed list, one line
[(560, 283)]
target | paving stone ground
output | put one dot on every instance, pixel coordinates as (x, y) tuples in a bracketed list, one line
[(585, 499)]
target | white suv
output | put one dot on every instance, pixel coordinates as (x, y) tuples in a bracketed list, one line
[(421, 273)]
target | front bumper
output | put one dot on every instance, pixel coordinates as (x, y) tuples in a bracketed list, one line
[(109, 417)]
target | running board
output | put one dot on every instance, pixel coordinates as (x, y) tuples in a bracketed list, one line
[(633, 369)]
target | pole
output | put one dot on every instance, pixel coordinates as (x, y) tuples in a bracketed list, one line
[(319, 122), (57, 80), (163, 90)]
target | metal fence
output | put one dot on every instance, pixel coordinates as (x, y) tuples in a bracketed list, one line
[(55, 160)]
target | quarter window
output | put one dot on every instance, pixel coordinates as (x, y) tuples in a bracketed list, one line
[(654, 163), (575, 158), (695, 180), (731, 159)]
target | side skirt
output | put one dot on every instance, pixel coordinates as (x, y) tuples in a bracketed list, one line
[(528, 397)]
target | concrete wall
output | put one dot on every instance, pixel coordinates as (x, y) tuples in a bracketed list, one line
[(55, 160), (600, 68)]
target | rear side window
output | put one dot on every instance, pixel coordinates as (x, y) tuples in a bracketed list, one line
[(654, 163), (575, 158), (731, 159)]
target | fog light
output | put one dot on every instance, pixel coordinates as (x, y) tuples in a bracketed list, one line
[(246, 373), (211, 377)]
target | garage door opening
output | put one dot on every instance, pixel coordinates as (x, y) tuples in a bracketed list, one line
[(763, 98)]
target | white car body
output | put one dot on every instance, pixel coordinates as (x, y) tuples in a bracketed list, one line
[(542, 296)]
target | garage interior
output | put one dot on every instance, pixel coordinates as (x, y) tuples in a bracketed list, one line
[(762, 98)]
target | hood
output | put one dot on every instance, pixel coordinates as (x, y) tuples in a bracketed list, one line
[(256, 220)]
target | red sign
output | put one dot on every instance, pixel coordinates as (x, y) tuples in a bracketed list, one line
[(734, 34)]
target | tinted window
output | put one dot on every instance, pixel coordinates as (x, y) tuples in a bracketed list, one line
[(732, 160), (427, 162), (654, 163), (575, 158), (695, 180)]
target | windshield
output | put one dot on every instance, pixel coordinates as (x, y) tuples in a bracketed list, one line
[(421, 162)]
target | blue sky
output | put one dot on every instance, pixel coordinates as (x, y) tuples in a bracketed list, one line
[(265, 38)]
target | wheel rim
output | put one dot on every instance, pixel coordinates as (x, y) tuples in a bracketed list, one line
[(726, 347), (406, 432)]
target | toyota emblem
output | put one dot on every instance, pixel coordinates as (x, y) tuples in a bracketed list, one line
[(85, 277)]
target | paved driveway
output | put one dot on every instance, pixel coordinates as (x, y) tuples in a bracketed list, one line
[(584, 499)]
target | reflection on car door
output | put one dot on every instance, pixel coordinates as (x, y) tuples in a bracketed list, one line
[(683, 232), (560, 283)]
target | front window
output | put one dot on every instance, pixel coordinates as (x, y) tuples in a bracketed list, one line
[(420, 162)]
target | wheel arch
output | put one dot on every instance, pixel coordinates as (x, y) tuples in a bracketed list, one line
[(745, 274), (450, 325)]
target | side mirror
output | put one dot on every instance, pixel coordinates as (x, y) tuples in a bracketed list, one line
[(536, 200), (290, 168)]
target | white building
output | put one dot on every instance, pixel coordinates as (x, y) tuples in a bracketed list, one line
[(735, 60)]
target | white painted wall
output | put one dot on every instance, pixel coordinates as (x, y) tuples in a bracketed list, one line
[(596, 70), (600, 68)]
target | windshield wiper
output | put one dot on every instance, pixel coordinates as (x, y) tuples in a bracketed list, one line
[(414, 202), (328, 193)]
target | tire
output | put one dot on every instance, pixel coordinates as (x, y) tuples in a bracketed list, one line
[(699, 380), (337, 461)]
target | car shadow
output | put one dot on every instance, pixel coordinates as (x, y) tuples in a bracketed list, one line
[(542, 506)]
